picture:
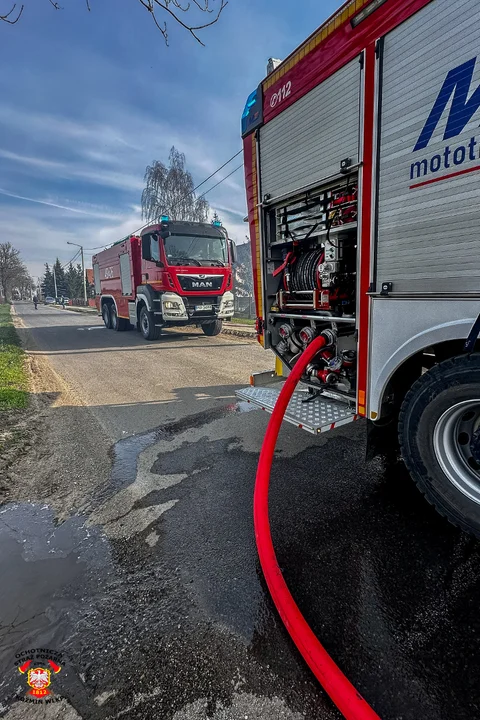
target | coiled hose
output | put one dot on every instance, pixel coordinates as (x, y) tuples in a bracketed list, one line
[(347, 699), (304, 273)]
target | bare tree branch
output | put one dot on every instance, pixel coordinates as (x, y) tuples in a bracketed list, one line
[(191, 28), (204, 7), (6, 18), (178, 5), (172, 7), (148, 4)]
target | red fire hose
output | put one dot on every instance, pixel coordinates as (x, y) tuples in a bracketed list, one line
[(347, 699)]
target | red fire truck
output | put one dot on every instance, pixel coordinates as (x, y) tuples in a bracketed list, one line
[(174, 274), (362, 166)]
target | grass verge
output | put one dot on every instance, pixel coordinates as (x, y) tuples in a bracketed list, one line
[(13, 374), (243, 321)]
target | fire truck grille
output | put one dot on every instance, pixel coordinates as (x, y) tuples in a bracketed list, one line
[(199, 282)]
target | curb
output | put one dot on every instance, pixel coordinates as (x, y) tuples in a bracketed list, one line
[(239, 332), (92, 311)]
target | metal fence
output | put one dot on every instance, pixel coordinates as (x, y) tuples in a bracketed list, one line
[(244, 307)]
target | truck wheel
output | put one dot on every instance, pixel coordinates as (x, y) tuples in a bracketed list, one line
[(117, 323), (147, 325), (107, 318), (439, 433), (212, 328)]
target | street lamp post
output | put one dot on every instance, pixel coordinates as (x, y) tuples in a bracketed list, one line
[(83, 270)]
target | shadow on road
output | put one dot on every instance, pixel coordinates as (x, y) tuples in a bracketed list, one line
[(76, 340)]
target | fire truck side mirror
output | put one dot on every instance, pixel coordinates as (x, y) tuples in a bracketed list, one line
[(233, 251)]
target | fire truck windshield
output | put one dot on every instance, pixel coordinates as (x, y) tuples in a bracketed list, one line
[(201, 250)]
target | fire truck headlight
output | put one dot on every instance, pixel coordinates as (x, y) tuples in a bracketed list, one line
[(171, 305)]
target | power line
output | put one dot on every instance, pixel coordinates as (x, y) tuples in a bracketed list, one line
[(72, 260), (221, 181), (100, 247), (218, 170)]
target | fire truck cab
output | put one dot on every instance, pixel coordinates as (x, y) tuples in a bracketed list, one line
[(175, 273)]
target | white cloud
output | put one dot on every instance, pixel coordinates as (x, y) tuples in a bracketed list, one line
[(110, 156), (49, 203), (77, 171), (41, 233)]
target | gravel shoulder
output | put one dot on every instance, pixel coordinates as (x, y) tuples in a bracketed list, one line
[(43, 461)]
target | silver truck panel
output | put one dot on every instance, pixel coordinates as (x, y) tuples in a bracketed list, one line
[(428, 236), (96, 278), (125, 275), (401, 328), (307, 141)]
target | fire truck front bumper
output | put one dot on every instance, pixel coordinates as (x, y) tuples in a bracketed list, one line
[(209, 307)]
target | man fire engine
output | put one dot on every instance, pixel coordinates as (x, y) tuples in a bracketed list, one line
[(175, 273), (362, 165)]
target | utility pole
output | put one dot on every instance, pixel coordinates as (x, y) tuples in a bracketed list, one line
[(55, 281), (83, 271), (84, 277)]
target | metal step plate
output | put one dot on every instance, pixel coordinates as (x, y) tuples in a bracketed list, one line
[(316, 416)]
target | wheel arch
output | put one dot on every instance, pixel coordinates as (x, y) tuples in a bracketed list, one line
[(141, 301), (405, 365), (109, 300)]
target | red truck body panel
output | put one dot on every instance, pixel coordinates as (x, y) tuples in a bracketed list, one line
[(110, 280)]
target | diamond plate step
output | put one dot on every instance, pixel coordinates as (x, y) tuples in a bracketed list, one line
[(316, 416)]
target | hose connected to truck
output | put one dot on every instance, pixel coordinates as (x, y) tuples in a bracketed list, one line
[(347, 699)]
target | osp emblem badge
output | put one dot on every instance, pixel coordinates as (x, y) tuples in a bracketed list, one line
[(39, 679)]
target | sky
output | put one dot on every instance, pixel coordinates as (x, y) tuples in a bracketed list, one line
[(89, 99)]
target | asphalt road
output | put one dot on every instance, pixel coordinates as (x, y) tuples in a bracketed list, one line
[(132, 385), (154, 593)]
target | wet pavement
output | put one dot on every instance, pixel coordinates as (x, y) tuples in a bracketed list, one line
[(155, 599)]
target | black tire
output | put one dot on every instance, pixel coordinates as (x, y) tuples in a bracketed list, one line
[(107, 318), (119, 324), (115, 320), (147, 325), (439, 433), (212, 328)]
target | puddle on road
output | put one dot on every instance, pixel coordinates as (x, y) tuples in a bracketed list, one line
[(245, 407), (47, 569), (123, 611), (126, 452)]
